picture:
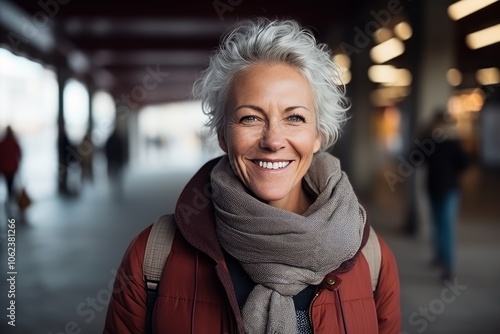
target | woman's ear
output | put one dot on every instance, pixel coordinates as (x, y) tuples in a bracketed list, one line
[(317, 143), (222, 141)]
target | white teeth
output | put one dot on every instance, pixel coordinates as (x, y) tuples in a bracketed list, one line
[(273, 165)]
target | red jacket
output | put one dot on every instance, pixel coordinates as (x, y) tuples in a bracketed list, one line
[(196, 271)]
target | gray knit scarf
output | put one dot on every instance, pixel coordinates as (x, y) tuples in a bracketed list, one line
[(284, 252)]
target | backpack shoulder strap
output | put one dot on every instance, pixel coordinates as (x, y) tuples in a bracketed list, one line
[(373, 256), (158, 248)]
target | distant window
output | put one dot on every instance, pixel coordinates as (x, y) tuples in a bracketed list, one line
[(103, 117), (28, 93), (174, 135), (76, 110)]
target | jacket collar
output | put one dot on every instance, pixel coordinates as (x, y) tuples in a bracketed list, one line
[(195, 209), (194, 215)]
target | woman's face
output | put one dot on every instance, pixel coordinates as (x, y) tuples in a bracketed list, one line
[(270, 132)]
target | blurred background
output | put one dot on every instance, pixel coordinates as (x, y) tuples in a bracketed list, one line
[(97, 95)]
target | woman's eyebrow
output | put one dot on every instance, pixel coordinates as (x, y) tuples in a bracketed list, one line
[(251, 106), (259, 109), (292, 108)]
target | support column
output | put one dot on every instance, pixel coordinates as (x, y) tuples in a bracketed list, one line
[(431, 55), (438, 56), (133, 126), (362, 154), (358, 134), (65, 158), (123, 114), (86, 148)]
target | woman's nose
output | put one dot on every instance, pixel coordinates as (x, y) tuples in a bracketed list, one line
[(273, 137)]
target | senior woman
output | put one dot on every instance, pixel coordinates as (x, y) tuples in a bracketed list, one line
[(269, 236)]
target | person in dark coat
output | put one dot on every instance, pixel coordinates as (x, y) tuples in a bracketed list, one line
[(115, 155), (445, 165), (10, 158)]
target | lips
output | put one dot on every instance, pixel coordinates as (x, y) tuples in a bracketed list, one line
[(272, 164)]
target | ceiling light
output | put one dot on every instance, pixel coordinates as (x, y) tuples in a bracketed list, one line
[(463, 8), (13, 18), (382, 35), (78, 61), (483, 37), (488, 76), (344, 78), (403, 30), (342, 60), (381, 73), (388, 96), (389, 75), (454, 77), (471, 100), (388, 50), (403, 77)]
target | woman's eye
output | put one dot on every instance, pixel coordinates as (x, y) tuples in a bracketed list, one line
[(296, 118), (247, 119)]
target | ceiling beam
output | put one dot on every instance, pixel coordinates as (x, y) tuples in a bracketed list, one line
[(95, 43)]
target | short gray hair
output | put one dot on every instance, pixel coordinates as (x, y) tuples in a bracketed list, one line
[(276, 41)]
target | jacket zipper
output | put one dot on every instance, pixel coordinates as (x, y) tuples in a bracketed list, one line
[(341, 310), (310, 308), (340, 305)]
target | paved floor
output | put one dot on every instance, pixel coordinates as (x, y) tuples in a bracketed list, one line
[(69, 249)]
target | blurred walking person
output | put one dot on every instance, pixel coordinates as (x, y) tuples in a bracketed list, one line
[(10, 158), (444, 168), (86, 151), (115, 155)]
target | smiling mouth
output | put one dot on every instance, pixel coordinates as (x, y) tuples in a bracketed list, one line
[(272, 164)]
